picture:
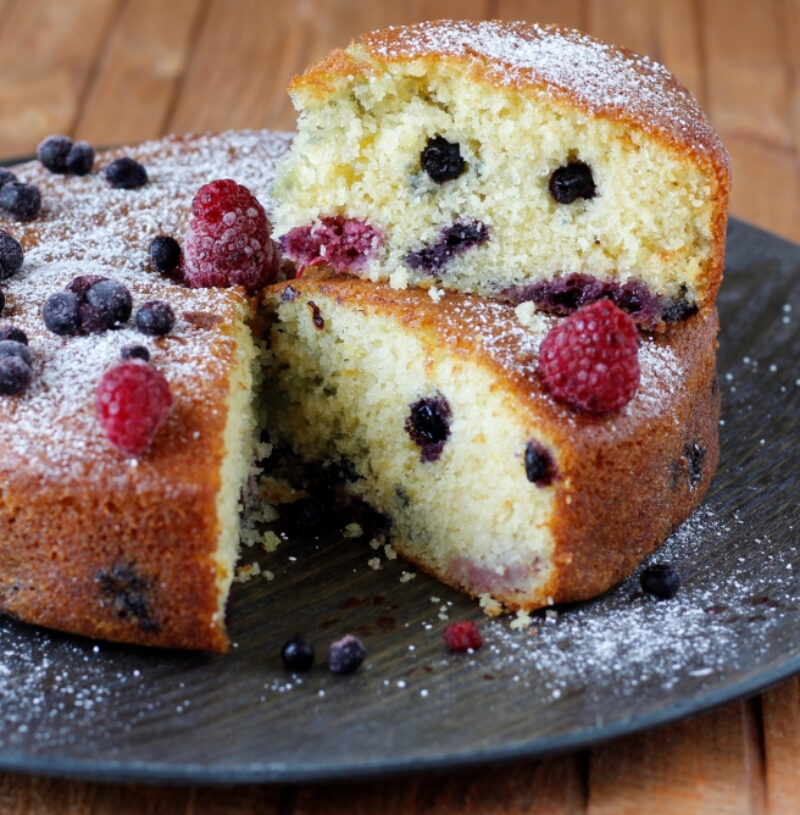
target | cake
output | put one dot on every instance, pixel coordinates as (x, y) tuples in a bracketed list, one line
[(93, 540), (130, 440), (511, 160), (510, 495)]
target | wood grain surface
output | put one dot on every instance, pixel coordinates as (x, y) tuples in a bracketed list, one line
[(118, 71)]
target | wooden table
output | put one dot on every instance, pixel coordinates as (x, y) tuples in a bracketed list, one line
[(116, 71)]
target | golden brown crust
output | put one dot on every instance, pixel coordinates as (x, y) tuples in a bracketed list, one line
[(126, 552), (627, 479), (610, 81), (92, 541)]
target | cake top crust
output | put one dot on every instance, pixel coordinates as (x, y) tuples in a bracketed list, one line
[(500, 338), (560, 63), (87, 228)]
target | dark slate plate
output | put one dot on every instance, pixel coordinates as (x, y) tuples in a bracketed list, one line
[(621, 663)]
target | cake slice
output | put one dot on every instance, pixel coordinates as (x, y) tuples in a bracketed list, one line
[(438, 409), (518, 161)]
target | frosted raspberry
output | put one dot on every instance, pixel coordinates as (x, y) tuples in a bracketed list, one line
[(591, 359), (463, 636), (132, 401), (228, 242)]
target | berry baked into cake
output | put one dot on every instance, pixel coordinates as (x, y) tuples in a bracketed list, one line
[(519, 161)]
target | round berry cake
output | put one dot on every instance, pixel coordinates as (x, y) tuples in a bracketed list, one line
[(528, 448), (524, 478), (523, 162)]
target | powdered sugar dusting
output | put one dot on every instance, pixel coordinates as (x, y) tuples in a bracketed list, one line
[(563, 63), (87, 228), (631, 640)]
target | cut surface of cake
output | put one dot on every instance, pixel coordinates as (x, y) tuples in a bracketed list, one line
[(438, 410), (513, 160), (94, 541)]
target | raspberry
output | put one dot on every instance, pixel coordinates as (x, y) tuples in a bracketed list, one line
[(228, 242), (132, 401), (590, 360), (463, 636), (342, 243)]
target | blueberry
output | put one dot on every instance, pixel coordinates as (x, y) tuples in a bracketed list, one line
[(298, 654), (15, 375), (126, 173), (53, 151), (678, 309), (316, 315), (572, 181), (661, 580), (6, 175), (155, 317), (80, 158), (539, 466), (12, 348), (10, 255), (108, 304), (22, 201), (126, 594), (346, 654), (695, 454), (453, 239), (11, 332), (442, 159), (165, 254), (134, 352), (61, 313), (428, 425)]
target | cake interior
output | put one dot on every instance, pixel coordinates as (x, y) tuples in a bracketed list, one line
[(238, 441), (346, 384), (358, 156)]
